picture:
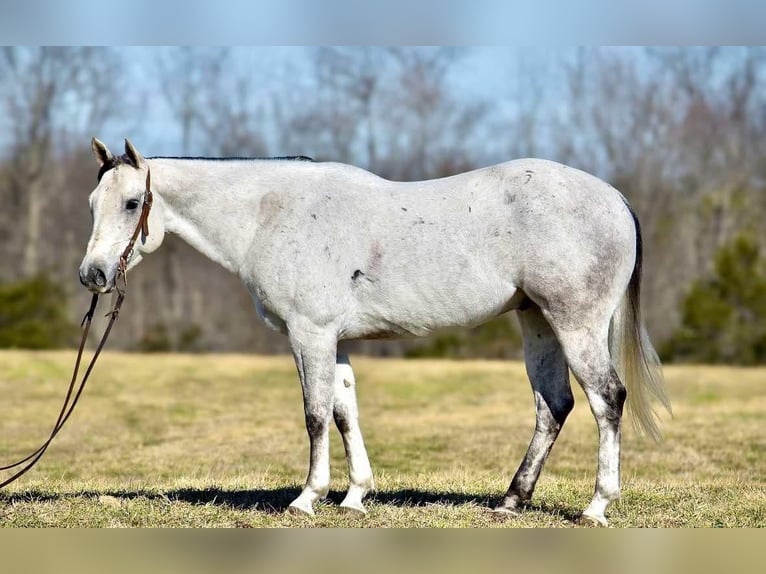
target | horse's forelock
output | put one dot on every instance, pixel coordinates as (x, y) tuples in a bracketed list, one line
[(113, 162)]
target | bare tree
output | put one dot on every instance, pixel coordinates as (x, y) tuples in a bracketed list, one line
[(389, 110), (215, 102), (333, 112), (45, 94), (431, 132)]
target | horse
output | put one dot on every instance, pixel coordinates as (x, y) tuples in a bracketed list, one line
[(330, 252)]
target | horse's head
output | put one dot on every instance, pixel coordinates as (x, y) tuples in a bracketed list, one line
[(116, 205)]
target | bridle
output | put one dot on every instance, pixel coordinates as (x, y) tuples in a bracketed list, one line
[(142, 228)]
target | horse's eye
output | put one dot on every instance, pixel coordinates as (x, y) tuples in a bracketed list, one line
[(131, 204)]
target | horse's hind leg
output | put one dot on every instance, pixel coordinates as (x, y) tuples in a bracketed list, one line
[(346, 417), (587, 353), (548, 373)]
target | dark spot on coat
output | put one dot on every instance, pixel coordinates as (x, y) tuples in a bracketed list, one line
[(376, 254), (508, 197), (598, 275), (404, 209), (314, 215), (419, 221), (469, 209), (359, 276), (341, 421), (270, 205), (528, 173)]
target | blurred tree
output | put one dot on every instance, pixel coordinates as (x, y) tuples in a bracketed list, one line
[(341, 117), (723, 317), (33, 315), (214, 102), (47, 93), (389, 110)]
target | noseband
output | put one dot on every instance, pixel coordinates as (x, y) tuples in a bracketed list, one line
[(142, 228)]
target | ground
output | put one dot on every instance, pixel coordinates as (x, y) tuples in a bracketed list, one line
[(218, 440)]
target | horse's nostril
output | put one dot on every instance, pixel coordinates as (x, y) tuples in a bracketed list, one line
[(83, 279), (97, 277)]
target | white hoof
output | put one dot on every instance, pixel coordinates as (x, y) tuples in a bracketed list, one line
[(592, 520), (353, 507), (300, 508)]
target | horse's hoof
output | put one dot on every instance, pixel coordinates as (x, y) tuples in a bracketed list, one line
[(300, 509), (355, 509), (593, 521), (505, 512)]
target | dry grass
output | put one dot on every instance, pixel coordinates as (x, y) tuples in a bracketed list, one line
[(219, 441)]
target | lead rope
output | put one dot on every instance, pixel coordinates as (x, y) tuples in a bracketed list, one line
[(67, 408)]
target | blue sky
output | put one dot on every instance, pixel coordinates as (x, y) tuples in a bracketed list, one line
[(551, 22)]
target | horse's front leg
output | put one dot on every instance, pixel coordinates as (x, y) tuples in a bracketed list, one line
[(314, 351), (346, 416)]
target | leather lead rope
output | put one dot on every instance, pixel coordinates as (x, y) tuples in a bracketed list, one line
[(67, 408)]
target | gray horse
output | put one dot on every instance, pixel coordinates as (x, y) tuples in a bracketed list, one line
[(331, 252)]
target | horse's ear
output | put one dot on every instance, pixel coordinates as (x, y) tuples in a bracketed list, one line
[(102, 153), (135, 158)]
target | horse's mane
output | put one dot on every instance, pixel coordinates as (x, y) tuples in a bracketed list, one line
[(125, 160), (113, 162)]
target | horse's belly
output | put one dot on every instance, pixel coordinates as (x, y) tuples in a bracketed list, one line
[(416, 312)]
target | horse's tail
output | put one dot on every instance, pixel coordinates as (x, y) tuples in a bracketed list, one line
[(632, 353)]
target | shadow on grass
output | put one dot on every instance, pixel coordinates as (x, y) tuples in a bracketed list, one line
[(276, 500)]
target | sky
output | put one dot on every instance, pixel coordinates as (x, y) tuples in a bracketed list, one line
[(485, 22)]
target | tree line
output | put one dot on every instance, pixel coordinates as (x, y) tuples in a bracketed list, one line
[(681, 132)]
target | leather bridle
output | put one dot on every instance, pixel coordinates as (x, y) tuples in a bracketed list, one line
[(142, 228)]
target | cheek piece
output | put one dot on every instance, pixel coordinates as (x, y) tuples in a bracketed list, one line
[(142, 228)]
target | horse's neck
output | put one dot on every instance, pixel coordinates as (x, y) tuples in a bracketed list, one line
[(210, 205)]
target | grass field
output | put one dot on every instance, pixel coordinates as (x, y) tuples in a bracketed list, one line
[(207, 440)]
